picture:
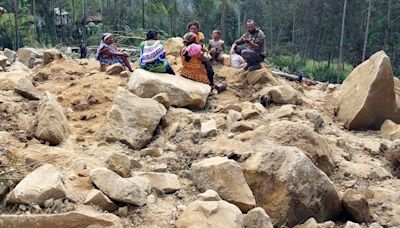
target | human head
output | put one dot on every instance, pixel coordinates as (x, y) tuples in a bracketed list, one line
[(238, 49), (193, 27), (216, 34), (152, 35), (189, 38), (251, 25), (107, 38)]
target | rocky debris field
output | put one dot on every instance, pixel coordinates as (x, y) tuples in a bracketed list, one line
[(83, 148)]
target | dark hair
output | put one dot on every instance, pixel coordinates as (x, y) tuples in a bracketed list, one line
[(195, 23), (238, 49), (151, 35), (249, 21), (189, 38)]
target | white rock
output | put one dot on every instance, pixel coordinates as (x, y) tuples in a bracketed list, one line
[(132, 120), (182, 92), (119, 163), (42, 184), (51, 124), (210, 214), (165, 182), (82, 218), (128, 190), (225, 177), (29, 56), (208, 129), (256, 218), (209, 195), (26, 89), (96, 197), (284, 94)]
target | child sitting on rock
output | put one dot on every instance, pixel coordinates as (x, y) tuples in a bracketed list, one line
[(216, 47), (237, 60)]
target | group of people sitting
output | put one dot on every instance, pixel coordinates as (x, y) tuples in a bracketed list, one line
[(197, 58)]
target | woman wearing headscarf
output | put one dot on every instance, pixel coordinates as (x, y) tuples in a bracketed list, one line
[(192, 66), (108, 54), (152, 54)]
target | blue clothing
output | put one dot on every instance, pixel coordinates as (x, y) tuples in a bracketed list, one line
[(106, 59)]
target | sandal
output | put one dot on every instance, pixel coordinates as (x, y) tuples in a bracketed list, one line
[(221, 88)]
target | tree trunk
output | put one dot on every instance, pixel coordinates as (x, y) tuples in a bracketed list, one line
[(73, 11), (341, 61), (84, 20), (61, 21), (293, 40), (223, 18), (173, 17), (18, 43), (387, 29), (238, 12), (34, 20), (367, 30), (143, 22)]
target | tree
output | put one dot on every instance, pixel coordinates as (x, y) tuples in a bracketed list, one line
[(223, 18), (143, 15), (18, 43), (389, 12), (341, 61), (367, 30)]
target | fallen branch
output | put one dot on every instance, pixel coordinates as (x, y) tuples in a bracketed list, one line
[(292, 77)]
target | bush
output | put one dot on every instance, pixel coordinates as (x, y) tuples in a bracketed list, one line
[(316, 70)]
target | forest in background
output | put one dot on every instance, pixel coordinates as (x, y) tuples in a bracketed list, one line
[(325, 39)]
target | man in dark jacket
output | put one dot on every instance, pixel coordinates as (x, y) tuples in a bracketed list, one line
[(254, 46)]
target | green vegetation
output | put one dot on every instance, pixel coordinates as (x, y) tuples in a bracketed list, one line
[(311, 31), (317, 70)]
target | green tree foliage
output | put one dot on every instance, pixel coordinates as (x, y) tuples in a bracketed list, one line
[(303, 33)]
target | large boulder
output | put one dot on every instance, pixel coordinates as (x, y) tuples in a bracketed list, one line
[(50, 55), (284, 94), (225, 177), (43, 183), (290, 187), (3, 62), (30, 57), (356, 204), (301, 136), (132, 120), (119, 163), (26, 89), (132, 190), (173, 46), (210, 214), (182, 92), (390, 129), (166, 182), (6, 83), (10, 54), (367, 97), (51, 124), (73, 219), (257, 218), (98, 198), (261, 76)]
